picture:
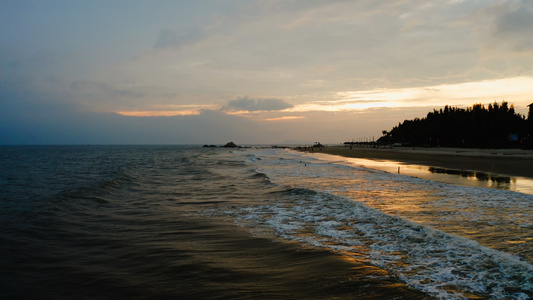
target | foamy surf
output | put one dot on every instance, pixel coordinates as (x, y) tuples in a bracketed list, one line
[(448, 241)]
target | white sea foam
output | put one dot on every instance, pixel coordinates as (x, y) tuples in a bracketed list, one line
[(449, 241)]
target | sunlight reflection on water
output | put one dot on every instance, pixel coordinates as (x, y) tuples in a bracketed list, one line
[(459, 177)]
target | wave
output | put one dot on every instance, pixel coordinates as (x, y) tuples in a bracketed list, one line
[(440, 264), (256, 174), (351, 211)]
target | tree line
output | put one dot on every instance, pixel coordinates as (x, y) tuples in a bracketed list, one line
[(494, 126)]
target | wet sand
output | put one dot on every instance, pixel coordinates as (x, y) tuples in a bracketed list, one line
[(510, 162)]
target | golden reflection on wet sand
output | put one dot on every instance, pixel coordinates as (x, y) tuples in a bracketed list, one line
[(451, 176)]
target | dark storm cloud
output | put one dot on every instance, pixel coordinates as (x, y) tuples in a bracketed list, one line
[(250, 104)]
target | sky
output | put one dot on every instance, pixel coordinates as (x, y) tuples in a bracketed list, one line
[(252, 71)]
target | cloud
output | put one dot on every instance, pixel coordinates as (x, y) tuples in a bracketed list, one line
[(515, 27), (63, 123), (309, 51), (90, 88), (184, 57), (284, 118), (178, 38), (250, 104)]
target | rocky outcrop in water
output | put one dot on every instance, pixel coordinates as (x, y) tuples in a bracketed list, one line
[(230, 145)]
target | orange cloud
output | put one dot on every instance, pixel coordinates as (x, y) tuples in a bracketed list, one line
[(284, 118), (168, 113)]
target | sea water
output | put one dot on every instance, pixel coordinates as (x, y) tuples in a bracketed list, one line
[(147, 222)]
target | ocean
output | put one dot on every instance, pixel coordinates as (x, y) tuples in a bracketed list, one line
[(186, 222)]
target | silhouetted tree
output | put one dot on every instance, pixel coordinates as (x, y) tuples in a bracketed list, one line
[(475, 126)]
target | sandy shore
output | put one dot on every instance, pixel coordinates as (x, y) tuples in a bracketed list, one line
[(511, 162)]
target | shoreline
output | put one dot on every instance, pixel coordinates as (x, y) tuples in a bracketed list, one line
[(509, 162)]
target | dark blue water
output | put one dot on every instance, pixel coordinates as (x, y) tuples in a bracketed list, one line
[(155, 222)]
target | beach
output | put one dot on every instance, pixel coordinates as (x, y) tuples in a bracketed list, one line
[(510, 162)]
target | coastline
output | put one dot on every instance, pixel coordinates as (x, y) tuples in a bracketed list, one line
[(509, 162)]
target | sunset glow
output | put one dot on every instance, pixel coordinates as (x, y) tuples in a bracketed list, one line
[(285, 118), (158, 113), (519, 89), (237, 70)]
